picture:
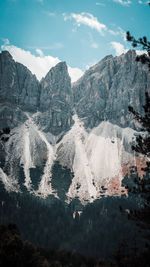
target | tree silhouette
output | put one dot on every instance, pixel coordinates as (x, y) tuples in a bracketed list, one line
[(143, 142), (144, 44)]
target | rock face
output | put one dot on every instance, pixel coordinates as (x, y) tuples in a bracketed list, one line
[(56, 100), (17, 84), (108, 88), (19, 91), (56, 88), (46, 128), (103, 93)]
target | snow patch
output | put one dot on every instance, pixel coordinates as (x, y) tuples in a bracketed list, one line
[(27, 160), (9, 183), (45, 187), (30, 145), (96, 158), (83, 181)]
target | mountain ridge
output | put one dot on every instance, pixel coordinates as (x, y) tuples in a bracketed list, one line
[(85, 127)]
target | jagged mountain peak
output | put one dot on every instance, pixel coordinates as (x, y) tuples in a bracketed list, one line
[(28, 72), (8, 57), (130, 53), (19, 90), (56, 100), (60, 69), (37, 110), (57, 80), (61, 65), (6, 54), (107, 89)]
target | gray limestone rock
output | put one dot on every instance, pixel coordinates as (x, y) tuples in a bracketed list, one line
[(18, 85), (56, 100), (19, 91), (42, 111), (107, 89)]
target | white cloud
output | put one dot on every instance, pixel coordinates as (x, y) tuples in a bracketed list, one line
[(140, 52), (86, 19), (75, 73), (40, 64), (119, 48), (93, 23), (123, 2)]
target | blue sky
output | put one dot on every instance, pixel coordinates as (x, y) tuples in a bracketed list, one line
[(80, 32)]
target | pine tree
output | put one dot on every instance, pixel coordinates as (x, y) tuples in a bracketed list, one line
[(144, 44), (143, 142)]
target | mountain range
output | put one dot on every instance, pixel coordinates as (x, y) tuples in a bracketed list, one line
[(70, 140)]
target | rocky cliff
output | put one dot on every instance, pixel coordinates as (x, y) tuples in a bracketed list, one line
[(20, 92), (56, 100), (107, 89), (47, 139)]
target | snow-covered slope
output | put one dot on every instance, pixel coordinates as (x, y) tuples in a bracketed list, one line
[(38, 114), (30, 148), (96, 158), (9, 183), (99, 158), (72, 152)]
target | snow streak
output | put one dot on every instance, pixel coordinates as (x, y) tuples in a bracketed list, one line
[(45, 188), (27, 156), (8, 182), (96, 157), (82, 184)]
